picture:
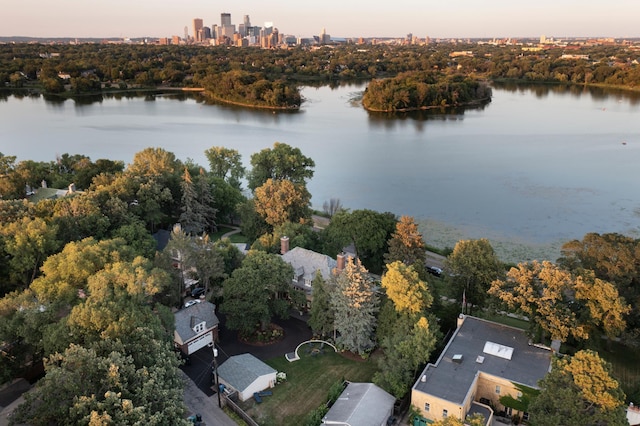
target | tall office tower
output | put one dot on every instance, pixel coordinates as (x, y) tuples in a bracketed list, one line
[(246, 21), (197, 29), (225, 19), (242, 30), (186, 34), (206, 33)]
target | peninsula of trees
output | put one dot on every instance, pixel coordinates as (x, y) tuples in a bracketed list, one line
[(252, 89), (423, 90)]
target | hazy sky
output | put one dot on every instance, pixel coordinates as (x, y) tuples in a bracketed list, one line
[(341, 18)]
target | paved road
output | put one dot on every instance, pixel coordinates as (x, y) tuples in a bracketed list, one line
[(198, 403)]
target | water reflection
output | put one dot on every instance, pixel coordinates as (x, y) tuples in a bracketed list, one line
[(542, 90)]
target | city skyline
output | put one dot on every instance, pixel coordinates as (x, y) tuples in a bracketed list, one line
[(462, 19)]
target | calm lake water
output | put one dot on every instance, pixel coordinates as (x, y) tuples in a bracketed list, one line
[(534, 168)]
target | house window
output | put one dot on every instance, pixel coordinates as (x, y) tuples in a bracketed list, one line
[(199, 328), (445, 413), (498, 389), (525, 416), (427, 407), (307, 282)]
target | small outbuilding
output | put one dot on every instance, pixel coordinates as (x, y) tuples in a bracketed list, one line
[(196, 327), (361, 404), (246, 374)]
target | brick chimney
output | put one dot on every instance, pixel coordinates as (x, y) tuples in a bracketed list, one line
[(284, 244), (340, 260)]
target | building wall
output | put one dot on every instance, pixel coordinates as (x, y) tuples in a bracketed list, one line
[(486, 388), (261, 383), (436, 406)]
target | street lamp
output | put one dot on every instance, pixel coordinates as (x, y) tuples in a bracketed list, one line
[(215, 364)]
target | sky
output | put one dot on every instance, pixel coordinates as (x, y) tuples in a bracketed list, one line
[(340, 18)]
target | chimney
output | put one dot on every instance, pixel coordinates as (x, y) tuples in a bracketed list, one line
[(340, 259), (460, 320), (284, 244), (72, 188)]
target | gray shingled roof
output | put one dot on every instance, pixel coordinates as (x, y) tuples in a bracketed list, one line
[(187, 318), (451, 380), (240, 371), (307, 262), (361, 404)]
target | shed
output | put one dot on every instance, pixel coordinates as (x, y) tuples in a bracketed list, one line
[(361, 404), (246, 374)]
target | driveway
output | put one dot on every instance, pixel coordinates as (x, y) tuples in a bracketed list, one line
[(200, 367)]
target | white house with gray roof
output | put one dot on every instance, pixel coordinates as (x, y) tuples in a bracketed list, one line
[(482, 362), (196, 327), (361, 404), (246, 374)]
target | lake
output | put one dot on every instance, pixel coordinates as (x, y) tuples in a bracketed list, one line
[(534, 168)]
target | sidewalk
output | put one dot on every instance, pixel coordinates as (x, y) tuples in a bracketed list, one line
[(197, 402)]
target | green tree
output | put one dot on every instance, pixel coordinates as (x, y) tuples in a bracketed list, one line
[(256, 292), (579, 390), (192, 219), (367, 230), (28, 242), (225, 164), (355, 305), (321, 319), (66, 273), (280, 163), (472, 267)]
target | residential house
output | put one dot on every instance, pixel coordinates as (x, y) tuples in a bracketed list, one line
[(482, 362), (361, 404), (246, 374), (196, 327), (306, 264)]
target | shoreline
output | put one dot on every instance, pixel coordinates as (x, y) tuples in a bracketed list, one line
[(508, 249)]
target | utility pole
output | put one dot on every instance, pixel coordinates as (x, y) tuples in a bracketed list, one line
[(215, 364)]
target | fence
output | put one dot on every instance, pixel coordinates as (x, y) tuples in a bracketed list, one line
[(239, 411)]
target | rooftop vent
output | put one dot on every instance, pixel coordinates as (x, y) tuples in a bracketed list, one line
[(423, 378), (457, 358), (480, 359)]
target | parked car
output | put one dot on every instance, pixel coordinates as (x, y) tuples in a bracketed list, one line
[(197, 292), (434, 270), (191, 303)]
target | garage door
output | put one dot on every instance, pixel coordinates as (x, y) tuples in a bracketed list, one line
[(199, 343)]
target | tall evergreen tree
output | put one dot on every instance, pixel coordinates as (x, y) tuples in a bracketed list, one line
[(321, 320), (191, 219), (355, 304)]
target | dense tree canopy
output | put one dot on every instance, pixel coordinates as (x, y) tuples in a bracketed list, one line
[(561, 304), (279, 163), (257, 292), (472, 267), (579, 391)]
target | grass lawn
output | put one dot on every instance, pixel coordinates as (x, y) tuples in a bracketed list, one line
[(625, 363), (307, 386), (504, 320)]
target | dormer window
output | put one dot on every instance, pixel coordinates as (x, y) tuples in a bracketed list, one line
[(199, 328)]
